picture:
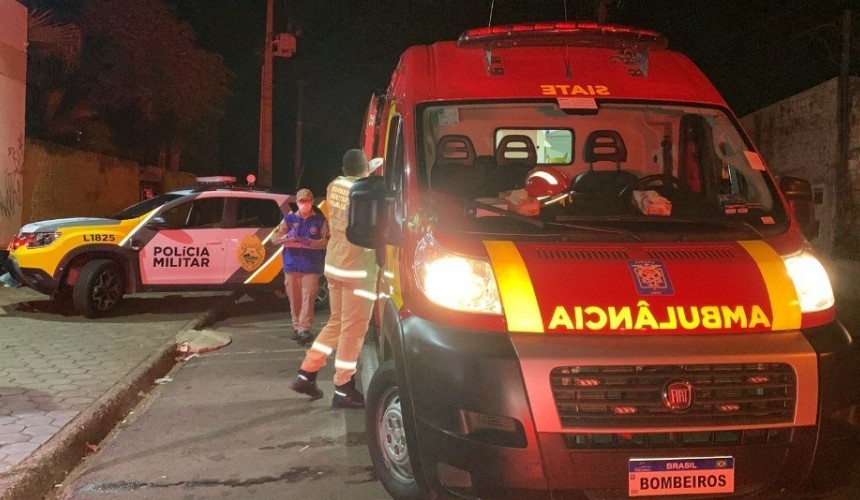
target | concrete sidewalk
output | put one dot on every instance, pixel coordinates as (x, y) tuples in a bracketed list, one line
[(65, 380)]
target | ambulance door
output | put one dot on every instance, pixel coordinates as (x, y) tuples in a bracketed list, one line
[(250, 222), (189, 247), (371, 126)]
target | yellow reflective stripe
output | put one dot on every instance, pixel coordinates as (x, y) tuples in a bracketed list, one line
[(267, 272), (345, 365), (344, 273), (515, 287), (365, 294), (320, 347), (392, 274), (784, 304)]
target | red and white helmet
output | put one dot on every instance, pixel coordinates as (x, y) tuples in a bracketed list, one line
[(546, 182)]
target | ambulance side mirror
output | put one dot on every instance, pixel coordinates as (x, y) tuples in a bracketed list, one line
[(798, 192), (368, 215)]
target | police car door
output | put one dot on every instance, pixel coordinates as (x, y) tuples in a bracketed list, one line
[(251, 219), (189, 249)]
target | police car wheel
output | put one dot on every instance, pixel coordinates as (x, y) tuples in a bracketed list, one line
[(99, 288), (321, 300), (387, 436)]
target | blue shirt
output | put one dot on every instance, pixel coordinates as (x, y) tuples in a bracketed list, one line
[(304, 260)]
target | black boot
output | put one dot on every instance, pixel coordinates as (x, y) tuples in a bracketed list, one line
[(295, 334), (347, 396), (306, 383), (304, 338)]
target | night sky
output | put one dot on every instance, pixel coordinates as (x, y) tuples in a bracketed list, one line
[(756, 52)]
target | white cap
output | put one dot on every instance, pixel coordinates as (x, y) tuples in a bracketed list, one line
[(374, 164)]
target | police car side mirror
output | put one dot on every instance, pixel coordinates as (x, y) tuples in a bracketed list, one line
[(798, 192), (368, 214), (157, 222)]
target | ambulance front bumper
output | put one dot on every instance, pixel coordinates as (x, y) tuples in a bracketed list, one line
[(487, 424)]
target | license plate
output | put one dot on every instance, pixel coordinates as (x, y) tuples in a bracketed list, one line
[(680, 476)]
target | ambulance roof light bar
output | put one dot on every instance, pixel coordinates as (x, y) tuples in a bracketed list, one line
[(560, 33), (632, 44)]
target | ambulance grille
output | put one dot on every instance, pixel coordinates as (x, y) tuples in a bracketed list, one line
[(581, 254), (631, 396), (692, 253)]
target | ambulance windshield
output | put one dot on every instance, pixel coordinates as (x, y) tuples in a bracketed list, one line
[(639, 168)]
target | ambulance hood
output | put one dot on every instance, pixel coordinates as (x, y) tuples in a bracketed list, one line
[(57, 224), (722, 287)]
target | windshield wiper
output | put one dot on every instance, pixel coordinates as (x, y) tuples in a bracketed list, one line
[(542, 224), (729, 224)]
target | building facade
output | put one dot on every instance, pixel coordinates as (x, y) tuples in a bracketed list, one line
[(799, 136)]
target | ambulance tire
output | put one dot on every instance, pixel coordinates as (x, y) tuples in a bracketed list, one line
[(387, 437), (99, 288)]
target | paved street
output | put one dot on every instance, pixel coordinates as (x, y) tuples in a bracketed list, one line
[(54, 364), (228, 425)]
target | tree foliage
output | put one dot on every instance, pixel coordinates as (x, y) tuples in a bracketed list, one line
[(143, 87)]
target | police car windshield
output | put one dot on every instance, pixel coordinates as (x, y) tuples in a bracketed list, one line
[(615, 164), (146, 206)]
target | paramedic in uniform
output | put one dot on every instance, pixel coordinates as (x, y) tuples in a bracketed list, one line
[(351, 272), (304, 234)]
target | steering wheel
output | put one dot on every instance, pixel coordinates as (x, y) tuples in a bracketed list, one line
[(667, 180)]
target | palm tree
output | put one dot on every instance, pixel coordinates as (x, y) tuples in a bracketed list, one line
[(53, 55)]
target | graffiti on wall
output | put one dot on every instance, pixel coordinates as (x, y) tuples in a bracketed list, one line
[(12, 180)]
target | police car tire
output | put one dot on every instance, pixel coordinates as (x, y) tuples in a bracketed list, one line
[(92, 275), (382, 389), (321, 300)]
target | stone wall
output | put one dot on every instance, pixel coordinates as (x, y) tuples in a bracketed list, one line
[(799, 137), (63, 182)]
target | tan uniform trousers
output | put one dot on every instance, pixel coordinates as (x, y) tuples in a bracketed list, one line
[(302, 290), (344, 332)]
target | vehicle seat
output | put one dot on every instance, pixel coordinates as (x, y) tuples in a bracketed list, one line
[(454, 170), (516, 156), (603, 145)]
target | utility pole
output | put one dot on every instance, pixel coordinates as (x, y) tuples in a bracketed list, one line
[(844, 194), (298, 149), (602, 9), (264, 177), (280, 45)]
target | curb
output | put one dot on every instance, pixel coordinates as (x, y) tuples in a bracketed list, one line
[(37, 475)]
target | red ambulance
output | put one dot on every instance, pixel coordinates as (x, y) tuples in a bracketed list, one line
[(592, 286)]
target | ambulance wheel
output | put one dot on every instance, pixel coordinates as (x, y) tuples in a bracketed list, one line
[(387, 436), (99, 288)]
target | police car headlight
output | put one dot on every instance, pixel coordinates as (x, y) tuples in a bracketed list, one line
[(42, 239), (811, 282), (454, 281)]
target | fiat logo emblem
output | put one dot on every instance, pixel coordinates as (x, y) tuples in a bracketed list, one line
[(678, 395)]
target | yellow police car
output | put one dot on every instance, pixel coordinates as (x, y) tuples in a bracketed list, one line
[(194, 239)]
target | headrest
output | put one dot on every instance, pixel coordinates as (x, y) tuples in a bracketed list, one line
[(455, 149), (604, 145), (516, 149)]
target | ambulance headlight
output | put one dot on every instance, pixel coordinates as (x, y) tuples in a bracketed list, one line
[(454, 281), (811, 282)]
